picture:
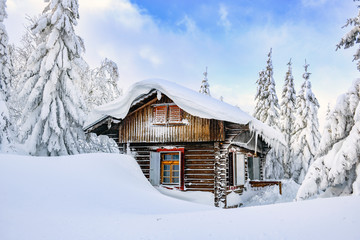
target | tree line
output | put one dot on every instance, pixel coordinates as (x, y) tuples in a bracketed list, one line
[(47, 88)]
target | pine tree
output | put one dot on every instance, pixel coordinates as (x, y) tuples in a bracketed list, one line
[(267, 103), (260, 99), (5, 60), (337, 166), (53, 114), (328, 112), (205, 87), (20, 54), (6, 134), (287, 118), (267, 111), (336, 170), (352, 37), (103, 84), (306, 137)]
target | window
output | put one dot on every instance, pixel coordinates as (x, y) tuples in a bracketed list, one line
[(174, 114), (254, 168), (167, 113), (170, 168), (160, 113)]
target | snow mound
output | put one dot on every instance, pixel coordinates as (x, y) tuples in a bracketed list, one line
[(43, 195), (196, 104), (106, 196), (105, 182)]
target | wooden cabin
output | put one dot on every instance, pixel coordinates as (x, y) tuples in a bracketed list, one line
[(178, 146)]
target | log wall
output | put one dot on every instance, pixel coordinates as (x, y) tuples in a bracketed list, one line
[(198, 159), (139, 127)]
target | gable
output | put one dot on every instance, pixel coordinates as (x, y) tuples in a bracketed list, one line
[(161, 120)]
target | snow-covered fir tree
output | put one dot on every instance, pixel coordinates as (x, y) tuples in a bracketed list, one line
[(53, 114), (20, 54), (5, 60), (6, 133), (336, 170), (205, 87), (287, 117), (352, 37), (266, 99), (328, 111), (267, 111), (305, 141), (259, 112), (103, 85)]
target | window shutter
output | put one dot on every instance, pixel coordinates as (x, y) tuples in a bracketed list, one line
[(155, 168), (174, 114), (240, 169), (160, 113)]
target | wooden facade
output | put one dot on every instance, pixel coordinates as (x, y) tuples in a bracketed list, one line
[(206, 147), (139, 127)]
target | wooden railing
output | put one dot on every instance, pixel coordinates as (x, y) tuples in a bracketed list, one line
[(261, 184), (256, 184)]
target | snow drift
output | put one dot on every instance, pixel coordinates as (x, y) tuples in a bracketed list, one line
[(106, 196)]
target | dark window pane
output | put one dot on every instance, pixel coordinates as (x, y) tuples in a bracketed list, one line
[(175, 180), (166, 180), (175, 174), (166, 167), (175, 167), (176, 157), (250, 168)]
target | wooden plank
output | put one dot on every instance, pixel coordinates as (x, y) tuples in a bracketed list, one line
[(190, 177), (195, 167), (191, 162), (199, 171), (207, 181), (203, 186), (199, 157), (199, 189)]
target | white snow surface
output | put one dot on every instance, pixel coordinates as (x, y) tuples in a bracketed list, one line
[(106, 196), (195, 103)]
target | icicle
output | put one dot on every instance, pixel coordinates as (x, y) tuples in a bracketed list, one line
[(256, 139), (158, 95)]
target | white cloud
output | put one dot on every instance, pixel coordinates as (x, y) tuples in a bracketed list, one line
[(96, 5), (150, 54), (189, 24), (223, 13), (123, 12)]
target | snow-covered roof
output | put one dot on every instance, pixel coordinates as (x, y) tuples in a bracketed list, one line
[(194, 103)]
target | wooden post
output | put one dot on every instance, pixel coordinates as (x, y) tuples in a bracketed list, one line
[(280, 188), (220, 177)]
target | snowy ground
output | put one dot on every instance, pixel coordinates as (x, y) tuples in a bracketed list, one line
[(105, 196)]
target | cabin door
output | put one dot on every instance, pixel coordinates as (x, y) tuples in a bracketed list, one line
[(155, 168)]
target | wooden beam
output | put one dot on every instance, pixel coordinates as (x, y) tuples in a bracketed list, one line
[(143, 106)]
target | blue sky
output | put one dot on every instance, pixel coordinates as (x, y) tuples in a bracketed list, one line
[(177, 39)]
